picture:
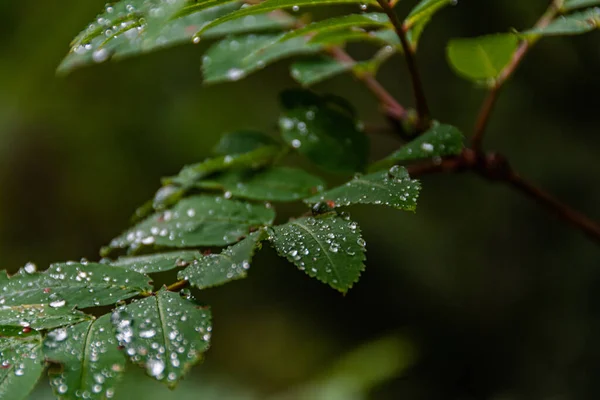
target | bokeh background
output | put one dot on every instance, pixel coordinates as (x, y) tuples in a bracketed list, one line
[(479, 295)]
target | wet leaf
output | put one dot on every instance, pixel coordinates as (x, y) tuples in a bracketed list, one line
[(482, 58), (240, 142), (420, 16), (572, 24), (165, 334), (236, 57), (73, 285), (273, 184), (231, 264), (21, 365), (329, 248), (314, 70), (439, 141), (161, 262), (354, 21), (323, 132), (341, 37), (92, 363), (40, 316), (392, 188), (197, 221), (271, 5), (254, 159), (140, 26)]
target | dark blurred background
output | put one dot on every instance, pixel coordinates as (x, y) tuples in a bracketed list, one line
[(479, 295)]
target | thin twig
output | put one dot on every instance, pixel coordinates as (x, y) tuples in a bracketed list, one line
[(488, 104), (564, 212), (411, 62), (390, 105), (177, 286)]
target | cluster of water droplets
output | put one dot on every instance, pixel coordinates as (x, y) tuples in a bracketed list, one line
[(322, 247), (165, 333), (300, 126), (18, 357)]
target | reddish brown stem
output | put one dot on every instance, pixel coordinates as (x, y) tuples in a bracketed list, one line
[(564, 212), (411, 62), (488, 104)]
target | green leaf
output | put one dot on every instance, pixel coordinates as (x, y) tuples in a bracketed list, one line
[(254, 159), (341, 37), (392, 188), (339, 23), (273, 184), (241, 142), (439, 141), (140, 26), (572, 24), (236, 57), (231, 264), (314, 70), (21, 365), (329, 248), (324, 133), (39, 316), (570, 5), (482, 58), (92, 363), (166, 334), (197, 221), (161, 262), (271, 5), (73, 285), (420, 16)]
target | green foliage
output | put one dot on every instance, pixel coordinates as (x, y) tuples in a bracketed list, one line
[(420, 16), (392, 188), (572, 24), (324, 132), (21, 364), (482, 58), (165, 334), (231, 264), (92, 361), (329, 248), (439, 141), (224, 201)]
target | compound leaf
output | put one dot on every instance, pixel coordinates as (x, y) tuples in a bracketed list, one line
[(572, 24), (132, 27), (235, 57), (273, 184), (271, 5), (92, 363), (323, 132), (420, 16), (149, 264), (197, 221), (329, 248), (166, 334), (73, 285), (39, 316), (392, 188), (21, 364), (482, 58), (439, 141), (231, 264)]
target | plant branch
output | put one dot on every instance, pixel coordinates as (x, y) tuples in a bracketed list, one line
[(411, 62), (489, 102), (177, 286), (495, 167), (390, 105)]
